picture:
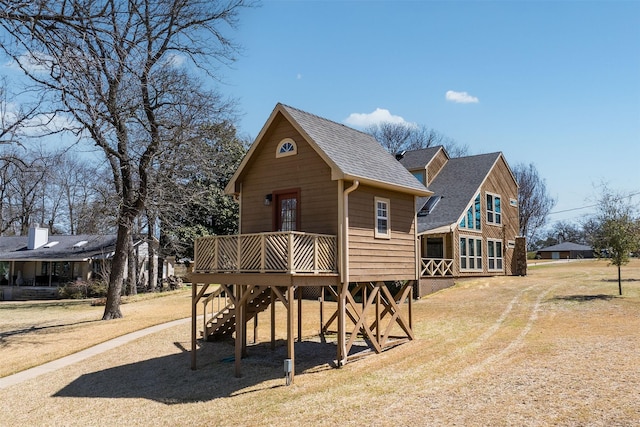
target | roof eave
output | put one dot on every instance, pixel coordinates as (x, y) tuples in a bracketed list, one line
[(388, 186)]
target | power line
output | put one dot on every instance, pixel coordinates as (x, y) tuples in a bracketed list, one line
[(594, 205)]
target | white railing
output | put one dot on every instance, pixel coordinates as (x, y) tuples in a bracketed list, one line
[(283, 252), (432, 267)]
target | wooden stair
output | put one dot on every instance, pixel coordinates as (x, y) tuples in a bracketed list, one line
[(223, 324)]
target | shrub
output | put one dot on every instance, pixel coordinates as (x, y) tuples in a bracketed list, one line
[(81, 289)]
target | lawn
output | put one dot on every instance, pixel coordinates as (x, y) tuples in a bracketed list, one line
[(557, 347)]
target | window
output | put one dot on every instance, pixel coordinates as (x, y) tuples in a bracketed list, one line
[(382, 230), (419, 176), (494, 255), (472, 219), (286, 147), (470, 253), (494, 213)]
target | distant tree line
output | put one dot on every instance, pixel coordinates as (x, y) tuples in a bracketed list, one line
[(71, 193)]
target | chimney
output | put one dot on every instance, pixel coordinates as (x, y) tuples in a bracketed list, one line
[(37, 237)]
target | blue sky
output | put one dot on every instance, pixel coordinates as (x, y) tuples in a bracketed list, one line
[(556, 84)]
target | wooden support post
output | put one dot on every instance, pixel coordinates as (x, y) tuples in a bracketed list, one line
[(411, 308), (299, 314), (245, 305), (321, 311), (290, 336), (378, 314), (273, 319), (194, 314), (239, 333), (342, 357), (255, 328)]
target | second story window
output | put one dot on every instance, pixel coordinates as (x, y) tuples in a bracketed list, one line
[(286, 147), (494, 210), (472, 219), (382, 228)]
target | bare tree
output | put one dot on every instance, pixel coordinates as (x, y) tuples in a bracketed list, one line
[(14, 118), (114, 67), (26, 193), (534, 203), (614, 231), (398, 137)]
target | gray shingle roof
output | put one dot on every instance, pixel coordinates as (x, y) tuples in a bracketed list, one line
[(566, 246), (419, 159), (458, 182), (15, 248), (356, 154)]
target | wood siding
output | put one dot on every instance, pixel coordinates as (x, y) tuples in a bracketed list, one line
[(305, 171), (435, 165), (372, 259), (499, 182)]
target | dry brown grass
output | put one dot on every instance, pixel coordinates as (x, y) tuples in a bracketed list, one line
[(38, 332), (557, 347)]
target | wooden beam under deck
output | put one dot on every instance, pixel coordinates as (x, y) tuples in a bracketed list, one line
[(267, 279), (386, 309)]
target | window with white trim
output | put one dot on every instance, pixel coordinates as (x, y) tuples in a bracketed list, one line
[(382, 226), (286, 147), (494, 255), (470, 254), (494, 210), (472, 219)]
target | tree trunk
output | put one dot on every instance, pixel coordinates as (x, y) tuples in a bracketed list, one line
[(619, 281), (132, 269), (153, 267), (116, 278)]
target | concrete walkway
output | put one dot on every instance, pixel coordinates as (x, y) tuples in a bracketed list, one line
[(85, 354)]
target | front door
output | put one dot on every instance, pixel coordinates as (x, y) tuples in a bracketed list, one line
[(286, 210)]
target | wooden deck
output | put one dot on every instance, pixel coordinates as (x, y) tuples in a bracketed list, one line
[(253, 272), (290, 252)]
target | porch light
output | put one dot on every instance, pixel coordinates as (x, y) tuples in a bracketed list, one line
[(267, 199)]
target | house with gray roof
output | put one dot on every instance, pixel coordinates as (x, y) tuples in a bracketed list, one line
[(565, 250), (325, 210), (469, 226), (34, 266)]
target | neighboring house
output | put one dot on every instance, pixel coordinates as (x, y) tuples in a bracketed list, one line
[(565, 250), (322, 206), (33, 266), (469, 226)]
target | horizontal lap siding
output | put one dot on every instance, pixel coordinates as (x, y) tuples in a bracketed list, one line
[(435, 165), (372, 259), (306, 170), (499, 182)]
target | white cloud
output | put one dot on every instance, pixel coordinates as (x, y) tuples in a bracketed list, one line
[(36, 63), (174, 60), (461, 97), (380, 115)]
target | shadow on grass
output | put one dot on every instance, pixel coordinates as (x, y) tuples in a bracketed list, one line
[(584, 298), (6, 334), (169, 379)]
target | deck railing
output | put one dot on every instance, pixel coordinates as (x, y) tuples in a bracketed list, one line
[(283, 252), (433, 267)]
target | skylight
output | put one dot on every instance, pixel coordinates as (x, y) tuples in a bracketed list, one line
[(51, 244), (428, 207), (81, 243)]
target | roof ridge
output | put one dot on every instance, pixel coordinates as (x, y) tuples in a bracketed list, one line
[(329, 120)]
